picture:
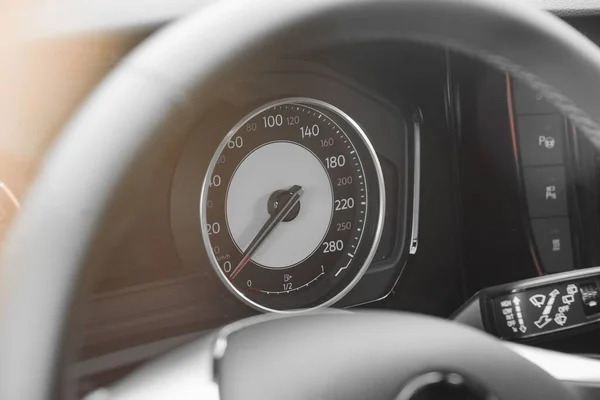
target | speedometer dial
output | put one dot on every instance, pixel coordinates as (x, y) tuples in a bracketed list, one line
[(292, 206)]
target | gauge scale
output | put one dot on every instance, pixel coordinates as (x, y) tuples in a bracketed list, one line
[(292, 206)]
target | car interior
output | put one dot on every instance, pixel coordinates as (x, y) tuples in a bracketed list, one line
[(317, 199)]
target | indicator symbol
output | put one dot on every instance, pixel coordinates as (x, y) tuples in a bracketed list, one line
[(560, 319), (551, 192), (555, 244), (517, 305), (505, 303), (572, 289), (568, 299), (538, 300), (523, 328), (548, 307), (542, 321), (546, 141), (563, 309)]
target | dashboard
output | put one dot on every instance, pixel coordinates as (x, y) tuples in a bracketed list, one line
[(383, 175)]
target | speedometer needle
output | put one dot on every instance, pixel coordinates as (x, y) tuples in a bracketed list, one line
[(295, 193)]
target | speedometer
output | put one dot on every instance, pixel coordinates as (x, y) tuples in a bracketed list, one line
[(292, 206)]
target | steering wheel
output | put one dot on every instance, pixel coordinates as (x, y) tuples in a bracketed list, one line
[(345, 355)]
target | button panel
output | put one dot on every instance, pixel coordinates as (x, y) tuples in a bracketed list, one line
[(540, 310), (541, 139)]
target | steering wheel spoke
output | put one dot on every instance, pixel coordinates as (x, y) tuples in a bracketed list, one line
[(185, 373), (578, 372)]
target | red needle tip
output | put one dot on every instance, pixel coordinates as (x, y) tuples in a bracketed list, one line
[(240, 266)]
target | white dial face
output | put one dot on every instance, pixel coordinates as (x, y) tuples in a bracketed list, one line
[(271, 167)]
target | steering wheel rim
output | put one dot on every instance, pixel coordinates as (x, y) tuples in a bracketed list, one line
[(336, 355), (127, 111)]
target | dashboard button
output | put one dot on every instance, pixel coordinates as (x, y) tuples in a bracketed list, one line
[(546, 191), (541, 139), (553, 240), (529, 102)]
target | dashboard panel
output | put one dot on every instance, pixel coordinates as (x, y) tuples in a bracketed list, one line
[(156, 288)]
